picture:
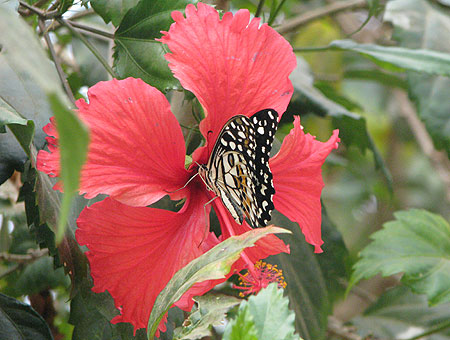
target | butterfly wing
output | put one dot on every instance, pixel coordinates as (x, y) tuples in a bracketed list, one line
[(231, 167), (265, 124)]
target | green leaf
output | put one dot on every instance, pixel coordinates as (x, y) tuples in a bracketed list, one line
[(90, 313), (112, 10), (137, 54), (386, 79), (73, 145), (272, 318), (306, 283), (417, 243), (352, 127), (397, 58), (212, 265), (211, 311), (40, 275), (242, 327), (19, 321), (399, 312), (23, 88), (428, 27)]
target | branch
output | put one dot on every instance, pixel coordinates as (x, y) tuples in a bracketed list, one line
[(91, 47), (41, 13), (438, 159), (294, 23), (91, 29), (57, 62), (33, 254)]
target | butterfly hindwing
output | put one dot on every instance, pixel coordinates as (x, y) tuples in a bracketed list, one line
[(265, 123), (238, 169)]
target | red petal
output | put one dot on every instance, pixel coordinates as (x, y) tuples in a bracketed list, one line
[(136, 152), (134, 251), (231, 65), (297, 178)]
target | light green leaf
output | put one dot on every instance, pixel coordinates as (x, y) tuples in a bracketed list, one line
[(211, 311), (212, 265), (73, 143), (352, 127), (137, 54), (113, 10), (400, 314), (417, 244), (242, 327), (19, 321), (23, 88), (420, 24), (397, 58), (272, 318)]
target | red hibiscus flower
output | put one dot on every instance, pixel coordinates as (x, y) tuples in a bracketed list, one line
[(137, 155)]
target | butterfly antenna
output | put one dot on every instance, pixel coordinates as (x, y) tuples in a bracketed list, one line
[(184, 186)]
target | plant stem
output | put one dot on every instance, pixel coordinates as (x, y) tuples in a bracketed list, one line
[(42, 14), (91, 47), (91, 29), (274, 15), (259, 8), (313, 49), (24, 258), (294, 23), (56, 60)]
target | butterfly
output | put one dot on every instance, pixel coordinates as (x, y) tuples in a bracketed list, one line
[(238, 168)]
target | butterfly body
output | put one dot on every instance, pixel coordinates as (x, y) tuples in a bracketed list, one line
[(238, 168)]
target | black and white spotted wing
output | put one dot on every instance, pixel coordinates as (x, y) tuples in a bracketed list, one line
[(238, 168)]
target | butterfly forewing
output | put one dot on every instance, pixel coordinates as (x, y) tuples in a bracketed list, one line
[(238, 169)]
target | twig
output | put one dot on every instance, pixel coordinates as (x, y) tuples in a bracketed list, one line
[(41, 13), (91, 47), (438, 159), (294, 23), (259, 8), (91, 29), (56, 60), (337, 328), (10, 270), (33, 254)]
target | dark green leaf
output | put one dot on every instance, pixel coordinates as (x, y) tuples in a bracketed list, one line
[(40, 275), (417, 244), (113, 10), (398, 312), (428, 28), (271, 316), (242, 327), (352, 127), (397, 58), (211, 311), (333, 260), (306, 286), (212, 265), (19, 321), (137, 54)]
